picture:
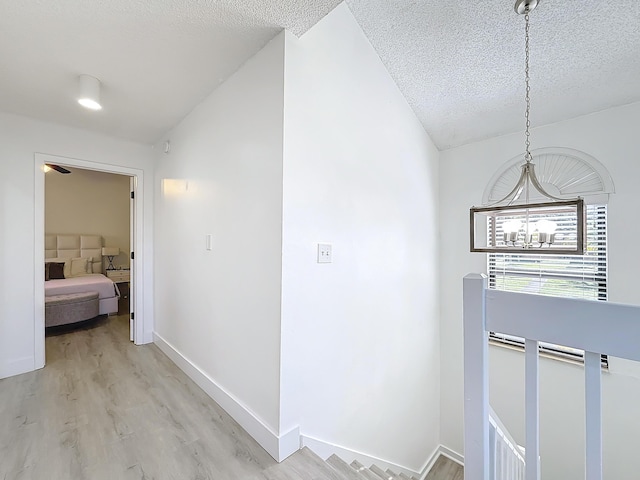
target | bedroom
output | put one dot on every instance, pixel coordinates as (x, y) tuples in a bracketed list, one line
[(95, 205)]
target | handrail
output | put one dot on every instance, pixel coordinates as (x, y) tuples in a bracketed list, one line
[(595, 327), (505, 458), (494, 420)]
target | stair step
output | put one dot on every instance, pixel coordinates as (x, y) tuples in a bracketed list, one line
[(303, 465), (381, 473), (404, 477), (393, 474), (344, 468), (364, 472)]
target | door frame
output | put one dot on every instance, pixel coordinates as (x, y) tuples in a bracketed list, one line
[(142, 326)]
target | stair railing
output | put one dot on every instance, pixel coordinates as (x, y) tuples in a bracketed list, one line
[(505, 457), (595, 327)]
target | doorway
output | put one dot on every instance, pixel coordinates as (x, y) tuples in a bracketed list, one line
[(97, 207), (139, 331)]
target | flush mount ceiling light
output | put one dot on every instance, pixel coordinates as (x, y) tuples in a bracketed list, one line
[(520, 221), (89, 92)]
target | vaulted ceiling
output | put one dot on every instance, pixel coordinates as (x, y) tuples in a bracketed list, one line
[(458, 64)]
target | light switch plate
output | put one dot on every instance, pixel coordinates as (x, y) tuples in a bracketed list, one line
[(324, 253), (209, 241)]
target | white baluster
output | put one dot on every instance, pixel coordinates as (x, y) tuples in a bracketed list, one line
[(532, 409), (593, 410)]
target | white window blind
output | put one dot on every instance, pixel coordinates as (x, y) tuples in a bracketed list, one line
[(583, 276)]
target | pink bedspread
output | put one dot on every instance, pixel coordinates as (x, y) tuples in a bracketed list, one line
[(86, 283)]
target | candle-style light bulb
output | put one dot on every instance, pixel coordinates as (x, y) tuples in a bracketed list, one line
[(510, 230), (546, 231)]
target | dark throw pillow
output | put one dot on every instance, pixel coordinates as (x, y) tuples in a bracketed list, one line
[(56, 271)]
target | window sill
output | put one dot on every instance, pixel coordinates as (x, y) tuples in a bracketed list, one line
[(565, 358)]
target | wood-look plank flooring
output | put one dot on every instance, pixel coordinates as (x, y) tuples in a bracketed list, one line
[(103, 408), (445, 469)]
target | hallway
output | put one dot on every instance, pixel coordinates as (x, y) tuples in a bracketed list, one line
[(103, 408)]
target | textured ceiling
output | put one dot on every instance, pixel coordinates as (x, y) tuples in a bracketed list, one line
[(460, 68), (460, 65)]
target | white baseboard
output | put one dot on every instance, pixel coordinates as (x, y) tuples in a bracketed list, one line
[(279, 447), (429, 464), (451, 454), (440, 450), (17, 367)]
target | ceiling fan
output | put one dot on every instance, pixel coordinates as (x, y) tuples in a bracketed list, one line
[(57, 168)]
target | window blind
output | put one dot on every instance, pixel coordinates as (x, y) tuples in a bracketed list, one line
[(582, 276)]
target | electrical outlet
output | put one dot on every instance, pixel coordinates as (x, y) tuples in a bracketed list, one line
[(324, 253)]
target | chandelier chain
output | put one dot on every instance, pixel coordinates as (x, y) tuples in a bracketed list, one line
[(527, 143)]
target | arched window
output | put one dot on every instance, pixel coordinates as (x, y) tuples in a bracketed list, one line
[(564, 173)]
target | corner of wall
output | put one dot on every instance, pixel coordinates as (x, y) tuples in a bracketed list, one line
[(278, 446)]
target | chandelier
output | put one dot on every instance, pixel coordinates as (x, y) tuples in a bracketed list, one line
[(526, 219)]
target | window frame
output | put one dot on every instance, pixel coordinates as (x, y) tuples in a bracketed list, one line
[(597, 240)]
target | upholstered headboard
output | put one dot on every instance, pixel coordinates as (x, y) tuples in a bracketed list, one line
[(73, 246)]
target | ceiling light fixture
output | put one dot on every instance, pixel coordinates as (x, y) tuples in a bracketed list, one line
[(50, 166), (519, 221), (89, 92)]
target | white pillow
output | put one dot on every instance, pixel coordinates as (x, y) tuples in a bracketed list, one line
[(76, 266)]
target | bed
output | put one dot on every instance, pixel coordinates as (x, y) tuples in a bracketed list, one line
[(82, 259)]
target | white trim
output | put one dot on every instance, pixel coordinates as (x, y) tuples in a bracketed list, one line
[(144, 327), (279, 447), (17, 367), (38, 261), (445, 452), (450, 454)]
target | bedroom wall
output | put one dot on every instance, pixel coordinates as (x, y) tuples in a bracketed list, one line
[(218, 311), (90, 202), (20, 138), (360, 341), (465, 171)]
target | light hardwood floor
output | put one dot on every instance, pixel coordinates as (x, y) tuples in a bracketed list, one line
[(445, 469), (103, 409)]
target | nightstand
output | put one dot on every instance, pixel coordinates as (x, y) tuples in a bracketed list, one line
[(122, 278), (119, 276)]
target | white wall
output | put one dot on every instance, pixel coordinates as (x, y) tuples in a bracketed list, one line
[(220, 309), (90, 202), (20, 138), (360, 354), (464, 172)]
